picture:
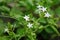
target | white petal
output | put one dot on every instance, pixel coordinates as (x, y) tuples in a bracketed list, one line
[(26, 18), (43, 9), (6, 30), (39, 6), (47, 15), (29, 25)]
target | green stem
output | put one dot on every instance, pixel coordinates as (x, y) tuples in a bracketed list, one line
[(55, 30)]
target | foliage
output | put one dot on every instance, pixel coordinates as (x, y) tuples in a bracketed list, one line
[(25, 18)]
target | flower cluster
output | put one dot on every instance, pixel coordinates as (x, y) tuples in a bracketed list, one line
[(43, 9), (40, 8), (27, 19)]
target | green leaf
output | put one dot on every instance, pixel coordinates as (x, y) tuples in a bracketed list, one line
[(4, 38), (2, 26), (21, 32), (58, 11), (51, 21), (31, 36), (16, 13), (42, 20), (4, 9), (49, 30)]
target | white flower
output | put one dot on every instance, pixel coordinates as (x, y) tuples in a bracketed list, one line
[(43, 9), (26, 18), (30, 25), (47, 15), (6, 30), (39, 6)]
